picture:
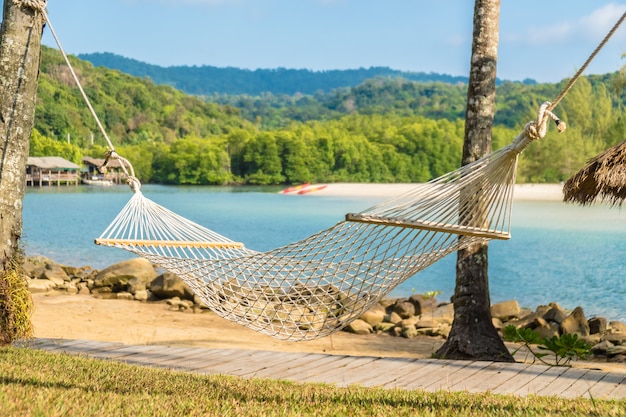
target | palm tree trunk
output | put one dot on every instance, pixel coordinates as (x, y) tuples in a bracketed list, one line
[(473, 336)]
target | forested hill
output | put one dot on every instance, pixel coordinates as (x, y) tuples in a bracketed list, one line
[(382, 130), (208, 80)]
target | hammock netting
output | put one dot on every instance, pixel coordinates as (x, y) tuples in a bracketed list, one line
[(314, 287)]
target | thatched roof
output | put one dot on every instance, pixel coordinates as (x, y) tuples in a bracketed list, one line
[(51, 162), (98, 162), (604, 177)]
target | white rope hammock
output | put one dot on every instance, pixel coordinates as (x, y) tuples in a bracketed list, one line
[(317, 286)]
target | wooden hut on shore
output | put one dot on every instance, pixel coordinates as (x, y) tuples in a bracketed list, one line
[(93, 175), (51, 170)]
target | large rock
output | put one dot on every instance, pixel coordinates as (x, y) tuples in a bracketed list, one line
[(555, 313), (575, 323), (119, 275), (403, 308), (359, 327), (423, 304), (55, 273), (169, 285), (505, 310), (40, 285), (374, 316), (443, 314), (597, 325), (617, 326)]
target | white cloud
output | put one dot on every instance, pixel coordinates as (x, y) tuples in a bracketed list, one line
[(593, 26), (599, 22)]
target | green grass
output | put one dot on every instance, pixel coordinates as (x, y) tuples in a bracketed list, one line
[(38, 383)]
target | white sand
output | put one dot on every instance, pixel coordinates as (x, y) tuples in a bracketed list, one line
[(537, 192)]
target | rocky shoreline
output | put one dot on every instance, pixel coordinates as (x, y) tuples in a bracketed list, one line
[(419, 314)]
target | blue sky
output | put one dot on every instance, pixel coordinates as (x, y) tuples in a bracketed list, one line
[(546, 40)]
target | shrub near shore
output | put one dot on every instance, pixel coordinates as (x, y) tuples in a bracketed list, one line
[(419, 314)]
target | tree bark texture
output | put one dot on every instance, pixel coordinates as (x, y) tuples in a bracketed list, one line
[(473, 336), (20, 47)]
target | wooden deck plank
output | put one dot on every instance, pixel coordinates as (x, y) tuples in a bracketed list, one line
[(422, 369), (537, 385), (565, 380), (607, 384), (234, 362), (295, 369), (498, 376), (619, 391), (200, 362), (365, 373), (395, 371), (528, 376), (438, 379), (334, 371), (283, 365), (584, 385)]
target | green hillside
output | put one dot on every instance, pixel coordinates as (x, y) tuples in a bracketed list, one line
[(382, 130)]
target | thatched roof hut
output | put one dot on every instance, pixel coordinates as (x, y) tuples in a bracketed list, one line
[(604, 177)]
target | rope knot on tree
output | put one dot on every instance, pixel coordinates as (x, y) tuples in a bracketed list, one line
[(36, 5)]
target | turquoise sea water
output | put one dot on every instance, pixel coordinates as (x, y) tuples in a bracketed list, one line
[(559, 252)]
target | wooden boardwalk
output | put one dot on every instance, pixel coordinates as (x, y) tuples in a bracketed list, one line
[(411, 374)]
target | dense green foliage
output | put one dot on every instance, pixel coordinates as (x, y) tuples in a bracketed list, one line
[(383, 130), (38, 383), (208, 80)]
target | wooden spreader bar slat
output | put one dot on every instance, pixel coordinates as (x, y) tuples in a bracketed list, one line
[(428, 225), (169, 243)]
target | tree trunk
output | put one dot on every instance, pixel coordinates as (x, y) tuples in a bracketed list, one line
[(473, 336), (20, 47)]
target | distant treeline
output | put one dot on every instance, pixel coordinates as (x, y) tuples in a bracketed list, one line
[(382, 130), (208, 80)]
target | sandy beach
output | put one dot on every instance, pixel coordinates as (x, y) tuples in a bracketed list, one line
[(85, 317), (535, 192)]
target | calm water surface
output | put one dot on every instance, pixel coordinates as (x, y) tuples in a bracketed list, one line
[(569, 254)]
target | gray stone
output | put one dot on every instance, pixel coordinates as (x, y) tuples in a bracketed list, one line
[(33, 271), (384, 327), (575, 323), (403, 308), (548, 330), (597, 325), (141, 295), (444, 313), (374, 316), (124, 296), (616, 350), (118, 276), (615, 338), (409, 332), (169, 285), (423, 304), (426, 323), (393, 317), (359, 327), (40, 285), (506, 310), (617, 326), (600, 348), (55, 273), (555, 314), (497, 323)]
